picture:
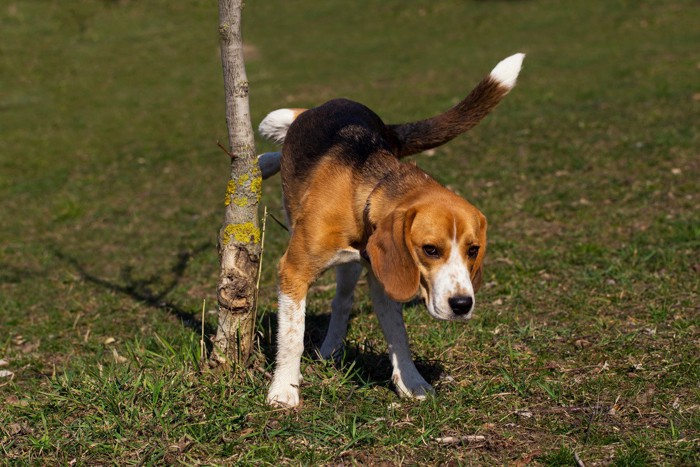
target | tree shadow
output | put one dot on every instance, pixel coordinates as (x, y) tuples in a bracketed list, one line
[(152, 290), (11, 274), (372, 366)]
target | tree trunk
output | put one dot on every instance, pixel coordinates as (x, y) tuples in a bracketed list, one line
[(239, 237)]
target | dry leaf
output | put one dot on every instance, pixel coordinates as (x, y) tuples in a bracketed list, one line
[(14, 429), (118, 358), (29, 347)]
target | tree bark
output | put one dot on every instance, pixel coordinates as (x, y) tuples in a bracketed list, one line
[(239, 237)]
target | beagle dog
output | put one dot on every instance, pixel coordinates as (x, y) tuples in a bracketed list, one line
[(350, 203)]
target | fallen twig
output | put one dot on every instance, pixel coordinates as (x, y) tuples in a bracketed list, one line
[(460, 439)]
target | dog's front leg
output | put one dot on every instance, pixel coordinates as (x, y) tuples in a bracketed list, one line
[(408, 381), (284, 390)]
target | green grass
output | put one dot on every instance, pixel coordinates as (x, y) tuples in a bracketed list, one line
[(586, 336)]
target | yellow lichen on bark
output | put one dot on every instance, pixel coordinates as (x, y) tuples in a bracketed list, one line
[(230, 191), (242, 233), (256, 186)]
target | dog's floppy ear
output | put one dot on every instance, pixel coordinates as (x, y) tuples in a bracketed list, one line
[(389, 250), (477, 268)]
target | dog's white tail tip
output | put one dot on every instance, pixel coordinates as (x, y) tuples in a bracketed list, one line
[(274, 127), (507, 70)]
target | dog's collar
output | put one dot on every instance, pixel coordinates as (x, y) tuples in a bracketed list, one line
[(391, 176), (369, 228)]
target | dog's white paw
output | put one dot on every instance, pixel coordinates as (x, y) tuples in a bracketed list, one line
[(283, 395), (412, 386)]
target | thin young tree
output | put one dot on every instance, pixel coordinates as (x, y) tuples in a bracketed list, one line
[(239, 237)]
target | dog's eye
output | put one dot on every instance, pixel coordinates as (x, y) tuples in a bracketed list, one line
[(431, 251), (473, 251)]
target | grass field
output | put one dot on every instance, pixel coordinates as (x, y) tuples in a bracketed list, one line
[(586, 337)]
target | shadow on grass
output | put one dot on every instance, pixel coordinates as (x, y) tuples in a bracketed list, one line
[(372, 366), (153, 290)]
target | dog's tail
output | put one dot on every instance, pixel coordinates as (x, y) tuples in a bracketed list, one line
[(419, 136), (414, 137)]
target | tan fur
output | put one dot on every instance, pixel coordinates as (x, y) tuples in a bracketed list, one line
[(322, 222), (393, 262)]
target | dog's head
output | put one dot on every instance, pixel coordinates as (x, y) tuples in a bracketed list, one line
[(435, 247)]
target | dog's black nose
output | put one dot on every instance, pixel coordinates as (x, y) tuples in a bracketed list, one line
[(461, 304)]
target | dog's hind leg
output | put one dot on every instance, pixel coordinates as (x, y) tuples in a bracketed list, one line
[(269, 164), (346, 276)]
